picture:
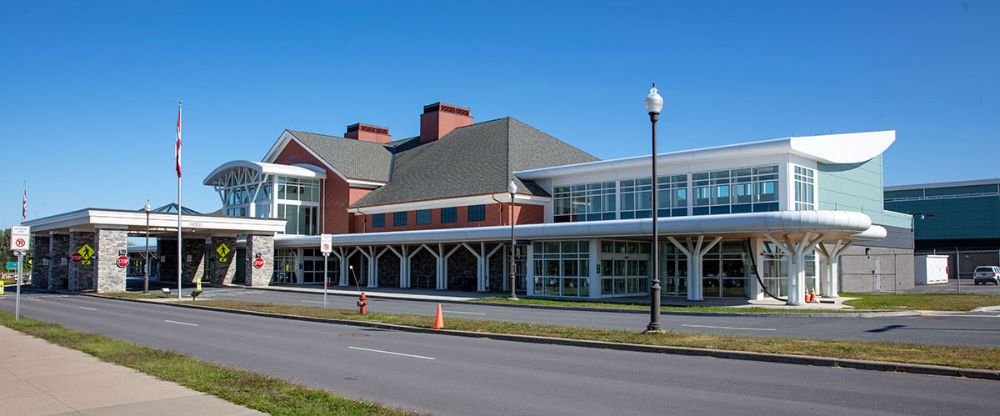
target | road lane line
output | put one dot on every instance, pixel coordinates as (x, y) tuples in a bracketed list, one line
[(179, 323), (729, 327), (393, 353), (89, 309), (465, 313)]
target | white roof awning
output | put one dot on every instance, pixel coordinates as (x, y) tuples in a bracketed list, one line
[(89, 219), (833, 224), (303, 171)]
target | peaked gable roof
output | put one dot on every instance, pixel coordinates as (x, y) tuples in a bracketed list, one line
[(472, 160), (353, 159)]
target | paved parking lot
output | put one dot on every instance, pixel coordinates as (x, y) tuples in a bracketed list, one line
[(952, 287)]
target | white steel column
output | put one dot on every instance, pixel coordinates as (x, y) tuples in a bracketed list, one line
[(342, 257), (372, 267), (795, 285), (442, 269), (828, 287), (695, 251), (529, 273), (594, 276)]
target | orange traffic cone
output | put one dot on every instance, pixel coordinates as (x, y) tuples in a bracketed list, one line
[(438, 320)]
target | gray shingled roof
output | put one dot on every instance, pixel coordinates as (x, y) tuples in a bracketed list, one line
[(354, 159), (473, 160)]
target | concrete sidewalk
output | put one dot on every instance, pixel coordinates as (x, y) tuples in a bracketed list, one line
[(39, 378)]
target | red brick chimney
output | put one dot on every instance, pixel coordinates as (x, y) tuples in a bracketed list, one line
[(440, 119), (368, 133)]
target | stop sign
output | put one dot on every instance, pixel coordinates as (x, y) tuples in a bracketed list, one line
[(122, 261), (258, 263), (75, 257)]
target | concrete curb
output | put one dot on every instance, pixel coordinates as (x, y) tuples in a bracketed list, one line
[(676, 313), (700, 352)]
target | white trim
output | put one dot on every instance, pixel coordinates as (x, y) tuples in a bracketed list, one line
[(452, 202), (97, 218), (831, 148), (357, 183)]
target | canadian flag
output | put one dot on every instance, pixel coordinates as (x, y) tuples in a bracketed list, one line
[(177, 147)]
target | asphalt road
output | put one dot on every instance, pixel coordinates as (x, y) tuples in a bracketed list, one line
[(467, 376), (979, 329)]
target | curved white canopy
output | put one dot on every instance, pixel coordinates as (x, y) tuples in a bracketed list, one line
[(834, 224), (301, 170)]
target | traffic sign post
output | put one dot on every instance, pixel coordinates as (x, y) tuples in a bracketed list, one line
[(326, 247), (20, 243)]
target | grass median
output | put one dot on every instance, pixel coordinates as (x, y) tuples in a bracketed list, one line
[(921, 301), (624, 306), (953, 356), (246, 388)]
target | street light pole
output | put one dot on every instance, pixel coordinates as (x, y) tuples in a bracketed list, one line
[(654, 103), (512, 188), (145, 262)]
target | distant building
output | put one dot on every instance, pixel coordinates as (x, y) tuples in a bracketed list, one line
[(953, 217)]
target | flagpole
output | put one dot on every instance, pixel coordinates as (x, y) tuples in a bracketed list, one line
[(180, 238)]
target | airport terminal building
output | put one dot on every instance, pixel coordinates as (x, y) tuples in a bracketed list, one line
[(779, 217)]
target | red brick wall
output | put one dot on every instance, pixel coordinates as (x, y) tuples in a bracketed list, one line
[(523, 214)]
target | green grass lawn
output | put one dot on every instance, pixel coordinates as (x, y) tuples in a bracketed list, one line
[(921, 301), (645, 307), (955, 356), (254, 390)]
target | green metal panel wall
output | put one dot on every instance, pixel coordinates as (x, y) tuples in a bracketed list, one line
[(857, 187), (973, 217)]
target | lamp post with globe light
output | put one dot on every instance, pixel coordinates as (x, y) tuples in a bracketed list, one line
[(654, 103), (512, 188)]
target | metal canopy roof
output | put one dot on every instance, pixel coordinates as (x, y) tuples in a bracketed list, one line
[(88, 219), (843, 225)]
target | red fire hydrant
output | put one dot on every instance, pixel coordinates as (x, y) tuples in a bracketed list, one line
[(363, 304)]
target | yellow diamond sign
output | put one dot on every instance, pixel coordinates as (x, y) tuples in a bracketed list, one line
[(223, 251), (86, 253)]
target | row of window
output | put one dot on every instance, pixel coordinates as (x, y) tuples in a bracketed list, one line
[(726, 191), (423, 216)]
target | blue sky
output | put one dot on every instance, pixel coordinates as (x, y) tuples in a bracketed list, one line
[(88, 90)]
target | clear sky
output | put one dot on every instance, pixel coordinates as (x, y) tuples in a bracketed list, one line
[(89, 90)]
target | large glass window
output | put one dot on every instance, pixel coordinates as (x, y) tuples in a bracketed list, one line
[(300, 219), (562, 268), (586, 202), (298, 205), (671, 199), (636, 198), (295, 189), (624, 268), (724, 270), (449, 215), (423, 216), (477, 213), (735, 191), (804, 189)]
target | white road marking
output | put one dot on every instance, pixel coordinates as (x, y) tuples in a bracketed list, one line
[(89, 309), (179, 323), (312, 301), (729, 327), (465, 313), (393, 353)]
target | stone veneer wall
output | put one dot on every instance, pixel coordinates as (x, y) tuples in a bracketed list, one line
[(388, 270), (222, 272), (40, 270), (496, 264), (58, 261), (263, 244), (423, 270), (82, 276), (110, 277), (461, 270)]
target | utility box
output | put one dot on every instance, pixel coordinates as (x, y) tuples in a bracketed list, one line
[(930, 269)]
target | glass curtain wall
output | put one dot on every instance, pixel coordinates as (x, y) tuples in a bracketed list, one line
[(805, 184), (735, 191), (298, 204), (673, 270), (774, 270), (562, 268), (586, 202), (285, 265), (724, 270)]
